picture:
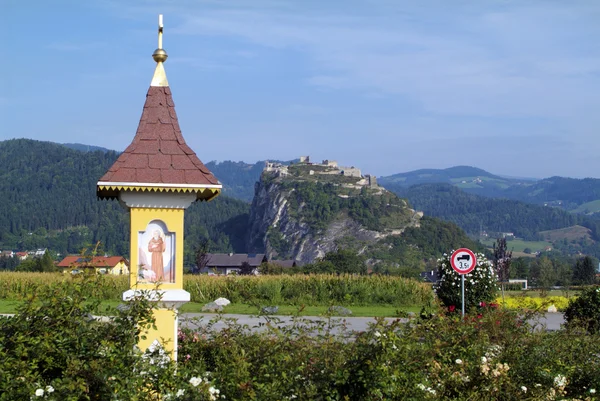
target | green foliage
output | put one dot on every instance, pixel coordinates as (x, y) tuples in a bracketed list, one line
[(584, 271), (584, 311), (54, 349), (48, 200), (492, 357), (318, 204), (480, 283)]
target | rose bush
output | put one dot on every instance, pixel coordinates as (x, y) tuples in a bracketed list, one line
[(480, 284)]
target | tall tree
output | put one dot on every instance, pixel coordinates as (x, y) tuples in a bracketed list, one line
[(584, 271), (502, 260)]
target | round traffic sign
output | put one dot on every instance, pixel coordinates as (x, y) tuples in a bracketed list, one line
[(463, 261)]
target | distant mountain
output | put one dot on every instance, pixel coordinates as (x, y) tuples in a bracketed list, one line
[(471, 179), (571, 194), (567, 193), (85, 148), (474, 213)]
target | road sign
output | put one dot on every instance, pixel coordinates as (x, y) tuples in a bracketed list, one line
[(463, 261)]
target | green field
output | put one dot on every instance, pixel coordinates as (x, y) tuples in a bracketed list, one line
[(518, 245), (588, 208)]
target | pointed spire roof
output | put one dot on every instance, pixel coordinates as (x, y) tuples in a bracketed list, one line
[(158, 159)]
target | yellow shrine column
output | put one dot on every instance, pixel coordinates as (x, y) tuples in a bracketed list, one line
[(156, 178), (157, 259)]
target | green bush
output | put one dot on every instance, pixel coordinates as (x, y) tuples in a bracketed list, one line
[(54, 349), (480, 284), (584, 311)]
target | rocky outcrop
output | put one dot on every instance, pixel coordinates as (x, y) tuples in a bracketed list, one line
[(276, 229)]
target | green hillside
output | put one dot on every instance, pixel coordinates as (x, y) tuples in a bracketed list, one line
[(48, 200)]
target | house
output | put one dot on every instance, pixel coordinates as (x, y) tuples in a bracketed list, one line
[(226, 263), (7, 254), (22, 255), (431, 276), (102, 264), (40, 252)]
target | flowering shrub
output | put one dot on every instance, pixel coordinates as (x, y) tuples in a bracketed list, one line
[(585, 310), (480, 284), (53, 350)]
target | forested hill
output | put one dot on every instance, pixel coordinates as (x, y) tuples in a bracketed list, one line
[(48, 199), (473, 213)]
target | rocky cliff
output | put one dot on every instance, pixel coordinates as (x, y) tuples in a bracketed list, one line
[(303, 211)]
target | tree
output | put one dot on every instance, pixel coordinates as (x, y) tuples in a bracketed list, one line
[(346, 261), (584, 271), (201, 255), (546, 275), (246, 269), (502, 259)]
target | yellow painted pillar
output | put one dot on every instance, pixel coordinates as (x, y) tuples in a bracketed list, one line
[(156, 178), (157, 259)]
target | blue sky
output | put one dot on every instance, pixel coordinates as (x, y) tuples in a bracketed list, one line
[(390, 86)]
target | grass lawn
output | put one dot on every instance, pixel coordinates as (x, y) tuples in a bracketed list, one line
[(518, 245), (10, 306)]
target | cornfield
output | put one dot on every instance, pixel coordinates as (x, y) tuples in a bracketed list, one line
[(283, 290)]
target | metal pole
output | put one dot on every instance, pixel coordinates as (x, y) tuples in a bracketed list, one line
[(462, 292)]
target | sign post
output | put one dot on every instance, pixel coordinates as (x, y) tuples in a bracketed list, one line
[(463, 261)]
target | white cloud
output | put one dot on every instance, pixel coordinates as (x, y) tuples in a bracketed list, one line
[(481, 60)]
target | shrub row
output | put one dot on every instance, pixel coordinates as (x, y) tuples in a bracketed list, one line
[(290, 290), (51, 350)]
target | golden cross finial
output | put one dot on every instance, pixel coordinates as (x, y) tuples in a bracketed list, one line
[(160, 30), (159, 54)]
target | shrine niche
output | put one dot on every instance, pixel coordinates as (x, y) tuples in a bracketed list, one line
[(156, 254)]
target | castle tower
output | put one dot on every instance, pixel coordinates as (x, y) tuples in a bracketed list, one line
[(156, 178)]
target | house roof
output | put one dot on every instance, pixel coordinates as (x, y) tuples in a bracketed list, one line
[(234, 259), (97, 261), (158, 158)]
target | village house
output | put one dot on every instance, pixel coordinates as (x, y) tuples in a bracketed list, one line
[(101, 264), (227, 263)]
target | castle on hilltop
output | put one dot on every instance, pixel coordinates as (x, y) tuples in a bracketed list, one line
[(326, 167)]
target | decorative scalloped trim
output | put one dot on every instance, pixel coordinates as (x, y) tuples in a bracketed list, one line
[(202, 193)]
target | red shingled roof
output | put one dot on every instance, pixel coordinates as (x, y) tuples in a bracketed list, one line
[(98, 261), (158, 153)]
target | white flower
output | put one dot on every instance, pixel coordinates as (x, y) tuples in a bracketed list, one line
[(377, 334), (39, 392), (560, 381), (421, 386), (213, 390), (458, 361), (180, 393), (483, 359), (524, 389), (592, 391), (49, 389), (195, 381)]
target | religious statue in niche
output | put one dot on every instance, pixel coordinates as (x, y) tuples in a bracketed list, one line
[(156, 250)]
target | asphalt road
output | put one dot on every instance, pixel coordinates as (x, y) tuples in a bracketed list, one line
[(550, 321)]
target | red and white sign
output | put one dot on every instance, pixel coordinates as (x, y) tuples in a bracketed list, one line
[(463, 261)]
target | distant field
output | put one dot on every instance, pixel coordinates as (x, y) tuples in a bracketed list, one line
[(518, 245), (568, 233), (588, 208)]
